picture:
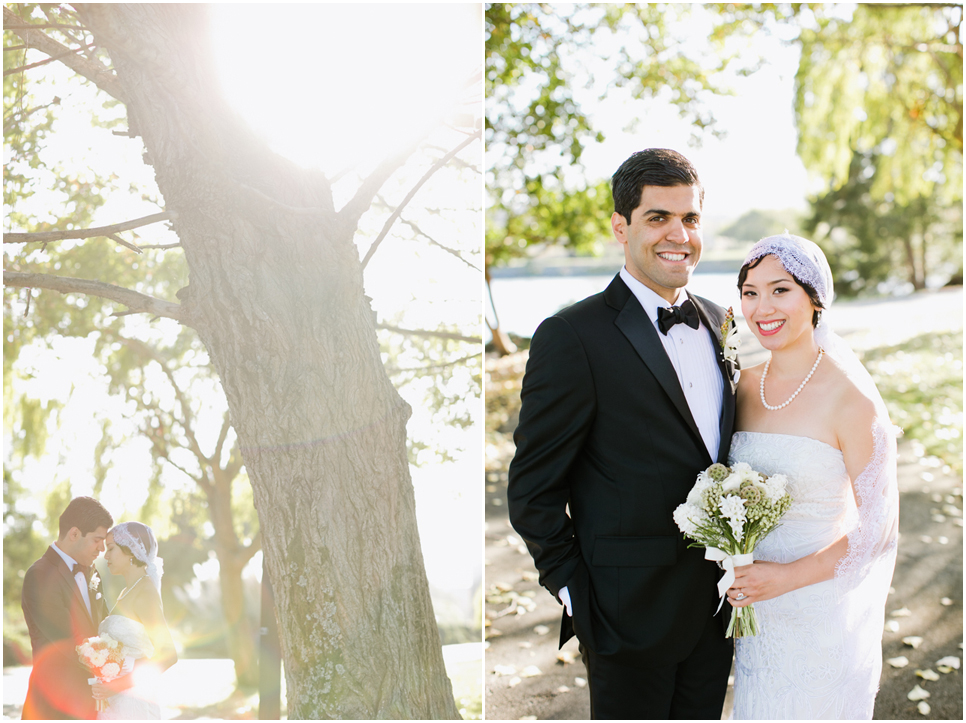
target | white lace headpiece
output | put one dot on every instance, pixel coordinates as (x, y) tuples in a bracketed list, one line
[(802, 258), (140, 540)]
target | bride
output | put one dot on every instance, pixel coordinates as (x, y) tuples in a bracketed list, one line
[(137, 621), (820, 580)]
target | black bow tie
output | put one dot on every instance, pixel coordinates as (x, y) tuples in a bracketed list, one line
[(683, 314), (79, 568)]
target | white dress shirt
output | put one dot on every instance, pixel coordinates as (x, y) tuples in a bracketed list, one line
[(79, 576), (694, 358)]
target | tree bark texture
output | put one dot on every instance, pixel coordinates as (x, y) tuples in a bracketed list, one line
[(276, 294)]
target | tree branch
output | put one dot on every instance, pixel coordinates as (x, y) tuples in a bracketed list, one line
[(409, 196), (138, 303), (431, 334), (92, 70), (39, 63), (434, 242), (84, 233), (360, 202), (432, 367)]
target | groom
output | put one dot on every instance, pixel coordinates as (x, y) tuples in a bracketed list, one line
[(63, 607), (626, 397)]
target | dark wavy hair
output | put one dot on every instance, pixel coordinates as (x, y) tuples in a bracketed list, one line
[(809, 289), (650, 167), (86, 514)]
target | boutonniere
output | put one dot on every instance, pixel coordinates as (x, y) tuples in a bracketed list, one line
[(730, 342), (94, 583)]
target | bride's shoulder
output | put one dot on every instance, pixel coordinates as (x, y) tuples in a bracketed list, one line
[(849, 396)]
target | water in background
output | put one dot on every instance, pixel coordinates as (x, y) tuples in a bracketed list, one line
[(522, 302)]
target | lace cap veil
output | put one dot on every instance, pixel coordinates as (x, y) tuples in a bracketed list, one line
[(874, 525), (140, 540)]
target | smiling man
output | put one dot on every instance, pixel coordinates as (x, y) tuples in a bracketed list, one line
[(626, 398)]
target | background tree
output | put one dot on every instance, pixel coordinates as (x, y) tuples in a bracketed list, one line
[(545, 66), (276, 295), (879, 106)]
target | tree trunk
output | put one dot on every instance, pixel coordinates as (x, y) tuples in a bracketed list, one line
[(232, 558), (501, 341), (276, 295)]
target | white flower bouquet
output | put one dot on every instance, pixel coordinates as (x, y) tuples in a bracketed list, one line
[(728, 511), (104, 656)]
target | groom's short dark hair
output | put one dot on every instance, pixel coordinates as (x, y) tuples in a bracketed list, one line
[(651, 167), (86, 514)]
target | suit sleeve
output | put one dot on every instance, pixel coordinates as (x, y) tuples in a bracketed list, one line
[(557, 412), (46, 604)]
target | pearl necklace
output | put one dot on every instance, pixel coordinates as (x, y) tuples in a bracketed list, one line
[(761, 386)]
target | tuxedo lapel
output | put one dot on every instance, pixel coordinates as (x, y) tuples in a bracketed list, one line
[(69, 580), (639, 330), (712, 320)]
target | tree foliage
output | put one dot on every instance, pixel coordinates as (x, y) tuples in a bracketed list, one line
[(879, 108), (162, 370)]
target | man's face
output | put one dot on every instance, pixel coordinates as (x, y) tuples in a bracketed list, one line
[(662, 242), (84, 548)]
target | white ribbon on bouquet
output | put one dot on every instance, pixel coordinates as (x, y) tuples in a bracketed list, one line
[(728, 563)]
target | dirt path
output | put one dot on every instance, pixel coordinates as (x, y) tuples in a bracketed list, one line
[(526, 677)]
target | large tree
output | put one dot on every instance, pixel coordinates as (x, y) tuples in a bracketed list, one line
[(275, 293)]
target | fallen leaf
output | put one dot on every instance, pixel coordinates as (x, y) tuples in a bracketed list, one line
[(958, 521), (901, 613), (892, 626), (918, 693), (514, 681), (944, 669), (580, 682), (531, 671), (928, 674), (952, 511), (950, 661), (901, 662), (925, 538), (912, 641), (943, 540), (946, 601), (541, 630), (563, 689), (566, 657), (923, 708), (526, 644), (493, 633), (939, 518), (529, 576), (504, 670)]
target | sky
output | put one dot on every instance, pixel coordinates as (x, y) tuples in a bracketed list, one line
[(318, 83)]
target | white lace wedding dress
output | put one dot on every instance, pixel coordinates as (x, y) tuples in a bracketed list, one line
[(139, 702), (819, 651)]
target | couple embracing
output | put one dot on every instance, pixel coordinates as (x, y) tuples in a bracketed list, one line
[(627, 396), (65, 608)]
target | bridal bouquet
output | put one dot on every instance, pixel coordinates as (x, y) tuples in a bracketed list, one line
[(727, 511), (104, 656)]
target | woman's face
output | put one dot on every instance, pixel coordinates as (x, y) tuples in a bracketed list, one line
[(776, 308), (117, 560)]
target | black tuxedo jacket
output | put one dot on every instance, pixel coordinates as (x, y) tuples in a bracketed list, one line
[(606, 449), (58, 621)]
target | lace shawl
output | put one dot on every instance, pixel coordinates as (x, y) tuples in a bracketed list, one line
[(130, 633), (873, 528)]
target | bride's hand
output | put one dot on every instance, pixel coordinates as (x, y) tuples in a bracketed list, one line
[(100, 691), (757, 582)]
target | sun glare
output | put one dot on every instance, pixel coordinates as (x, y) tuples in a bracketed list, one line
[(356, 82)]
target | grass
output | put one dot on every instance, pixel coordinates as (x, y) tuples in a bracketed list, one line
[(921, 381)]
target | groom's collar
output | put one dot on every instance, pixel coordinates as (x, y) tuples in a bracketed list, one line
[(650, 299), (64, 556)]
